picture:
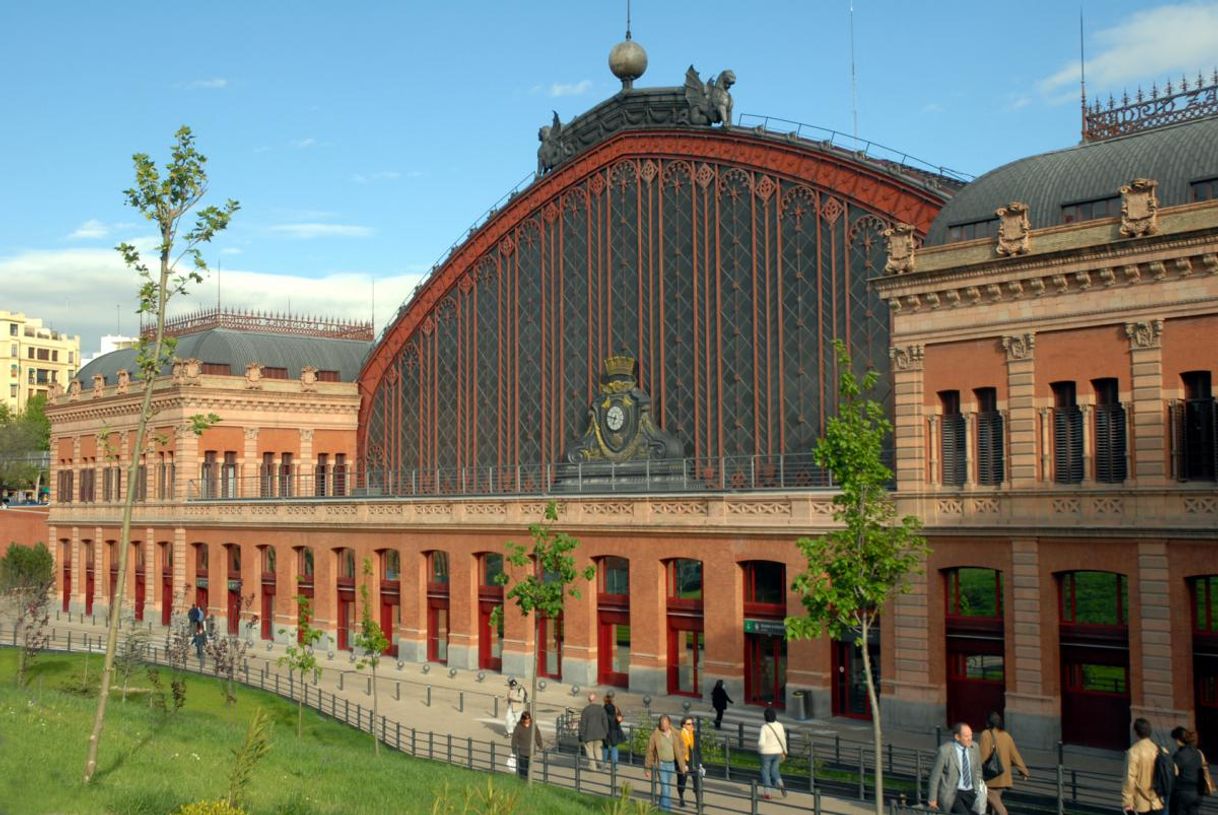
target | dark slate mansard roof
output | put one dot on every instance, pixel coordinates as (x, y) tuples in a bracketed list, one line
[(239, 348), (1174, 156)]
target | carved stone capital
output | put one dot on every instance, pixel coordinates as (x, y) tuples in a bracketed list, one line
[(1014, 229), (901, 241), (1019, 346), (907, 358), (251, 434), (306, 435), (1139, 208), (1144, 334)]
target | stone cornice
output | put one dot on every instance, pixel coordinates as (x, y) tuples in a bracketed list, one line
[(1119, 265)]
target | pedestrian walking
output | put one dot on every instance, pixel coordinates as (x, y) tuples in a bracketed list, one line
[(593, 729), (617, 735), (688, 735), (199, 640), (1138, 792), (719, 701), (665, 756), (194, 616), (996, 740), (517, 698), (1190, 782), (524, 738), (955, 777), (772, 747)]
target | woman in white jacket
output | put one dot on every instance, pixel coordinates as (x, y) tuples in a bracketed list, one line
[(772, 746)]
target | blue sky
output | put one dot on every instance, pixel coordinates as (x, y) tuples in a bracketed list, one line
[(363, 138)]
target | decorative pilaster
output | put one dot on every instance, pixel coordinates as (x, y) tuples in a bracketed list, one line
[(1030, 638), (250, 482), (1088, 411), (1021, 395), (907, 429), (932, 472), (970, 444), (1155, 635), (186, 460), (1146, 374)]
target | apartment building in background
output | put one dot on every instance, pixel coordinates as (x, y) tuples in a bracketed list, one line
[(35, 360)]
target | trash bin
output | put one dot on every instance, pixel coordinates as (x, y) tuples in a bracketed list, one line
[(801, 702)]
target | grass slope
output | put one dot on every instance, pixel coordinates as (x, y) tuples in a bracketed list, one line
[(152, 763)]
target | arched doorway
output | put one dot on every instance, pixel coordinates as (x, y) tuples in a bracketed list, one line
[(201, 571), (976, 673), (141, 581), (765, 638), (490, 597), (233, 603), (613, 621), (437, 607), (305, 587), (391, 595), (1094, 633), (345, 585), (1204, 591), (266, 607), (686, 641), (65, 560), (89, 556), (165, 555)]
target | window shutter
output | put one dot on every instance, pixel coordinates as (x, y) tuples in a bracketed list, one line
[(1067, 445), (989, 448), (1110, 444), (952, 448)]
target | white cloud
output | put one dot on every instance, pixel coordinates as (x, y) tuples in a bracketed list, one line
[(91, 228), (214, 83), (307, 231), (76, 291), (230, 250), (303, 144), (932, 107), (570, 88), (385, 175), (1148, 46)]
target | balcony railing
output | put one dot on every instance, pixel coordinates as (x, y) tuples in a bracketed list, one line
[(723, 474)]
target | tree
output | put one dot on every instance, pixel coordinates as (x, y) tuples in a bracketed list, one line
[(166, 201), (26, 576), (299, 656), (373, 642), (228, 652), (853, 572), (25, 439), (540, 593)]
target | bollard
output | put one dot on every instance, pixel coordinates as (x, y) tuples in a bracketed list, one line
[(429, 696), (1061, 791), (816, 802), (341, 674), (1060, 758), (368, 686), (69, 641), (495, 699), (740, 737), (753, 802), (461, 702), (397, 691), (837, 748), (938, 736)]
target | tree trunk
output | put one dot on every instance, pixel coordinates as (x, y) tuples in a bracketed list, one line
[(876, 727), (533, 752), (376, 743), (133, 470), (300, 711)]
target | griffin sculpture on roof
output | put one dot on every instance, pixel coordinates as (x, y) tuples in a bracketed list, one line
[(710, 103)]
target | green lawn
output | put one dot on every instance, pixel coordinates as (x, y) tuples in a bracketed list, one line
[(150, 763)]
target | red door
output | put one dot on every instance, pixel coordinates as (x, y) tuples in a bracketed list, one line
[(346, 618), (613, 648), (267, 611), (976, 679), (234, 609), (550, 647), (686, 644), (89, 589), (67, 584), (166, 596), (490, 638), (139, 594), (437, 630), (201, 597), (391, 615), (765, 669), (850, 680)]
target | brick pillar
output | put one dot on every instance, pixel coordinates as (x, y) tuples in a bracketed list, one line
[(462, 610), (179, 567), (305, 483), (1029, 636), (518, 630), (1021, 395), (722, 625), (908, 426), (649, 626), (1153, 626), (1146, 375), (579, 648), (909, 699), (249, 483)]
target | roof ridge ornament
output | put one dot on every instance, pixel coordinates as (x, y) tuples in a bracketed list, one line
[(709, 103)]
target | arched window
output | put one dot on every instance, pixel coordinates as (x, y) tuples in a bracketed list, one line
[(765, 640), (490, 597), (974, 592), (1094, 598), (976, 645), (437, 606), (391, 565), (1094, 635), (304, 563), (686, 641), (613, 621), (437, 568), (346, 564), (268, 560)]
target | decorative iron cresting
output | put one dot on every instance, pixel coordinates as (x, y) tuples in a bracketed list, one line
[(262, 322), (1174, 104)]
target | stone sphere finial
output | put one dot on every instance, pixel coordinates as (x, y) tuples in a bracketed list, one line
[(628, 61)]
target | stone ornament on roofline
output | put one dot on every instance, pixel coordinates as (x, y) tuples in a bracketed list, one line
[(900, 249), (124, 381), (308, 378), (1014, 229), (187, 371), (74, 390), (55, 391), (1139, 208), (253, 375), (99, 385), (908, 358)]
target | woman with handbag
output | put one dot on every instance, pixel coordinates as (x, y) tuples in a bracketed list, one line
[(1192, 774), (616, 734), (998, 756), (772, 747)]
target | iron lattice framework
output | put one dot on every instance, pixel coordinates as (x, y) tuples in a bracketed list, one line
[(727, 282), (1143, 111), (263, 323)]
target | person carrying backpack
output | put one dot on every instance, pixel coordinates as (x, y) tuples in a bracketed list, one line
[(1148, 773)]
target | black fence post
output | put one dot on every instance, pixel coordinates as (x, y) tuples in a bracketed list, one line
[(577, 763), (837, 748), (398, 726), (413, 742), (862, 776), (740, 736), (917, 777), (727, 758), (753, 802), (811, 765), (1061, 790), (493, 759), (545, 766), (816, 802)]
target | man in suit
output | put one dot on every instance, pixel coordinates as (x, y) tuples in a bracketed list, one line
[(956, 776)]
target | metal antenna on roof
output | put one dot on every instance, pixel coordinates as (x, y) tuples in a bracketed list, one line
[(854, 100), (627, 19), (1082, 73), (219, 273)]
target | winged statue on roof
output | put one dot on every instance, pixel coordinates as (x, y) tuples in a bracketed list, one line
[(709, 103), (551, 151)]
